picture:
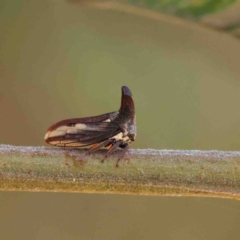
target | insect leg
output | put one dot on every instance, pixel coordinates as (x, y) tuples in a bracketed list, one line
[(112, 149), (122, 154), (98, 146)]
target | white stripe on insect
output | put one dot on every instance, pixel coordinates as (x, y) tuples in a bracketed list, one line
[(119, 136)]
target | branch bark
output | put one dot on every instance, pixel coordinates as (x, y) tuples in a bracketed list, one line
[(144, 171)]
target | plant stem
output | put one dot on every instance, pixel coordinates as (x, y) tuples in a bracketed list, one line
[(144, 171)]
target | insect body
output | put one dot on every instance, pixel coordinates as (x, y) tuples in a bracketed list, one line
[(113, 130)]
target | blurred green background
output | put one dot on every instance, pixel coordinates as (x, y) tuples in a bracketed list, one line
[(64, 59), (60, 60)]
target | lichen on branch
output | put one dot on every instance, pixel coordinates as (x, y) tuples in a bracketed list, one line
[(143, 171)]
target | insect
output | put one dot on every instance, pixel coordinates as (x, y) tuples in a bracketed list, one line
[(113, 130)]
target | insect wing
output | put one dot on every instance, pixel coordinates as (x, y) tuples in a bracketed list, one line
[(81, 134), (107, 117)]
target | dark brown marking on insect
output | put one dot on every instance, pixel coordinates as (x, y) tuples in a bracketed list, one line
[(73, 121)]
